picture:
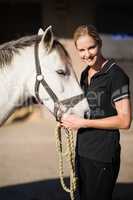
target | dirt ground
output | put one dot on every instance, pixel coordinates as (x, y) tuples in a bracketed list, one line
[(29, 162)]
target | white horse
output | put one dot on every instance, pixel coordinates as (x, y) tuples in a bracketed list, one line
[(38, 66)]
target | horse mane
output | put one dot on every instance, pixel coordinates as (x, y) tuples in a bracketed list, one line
[(7, 50)]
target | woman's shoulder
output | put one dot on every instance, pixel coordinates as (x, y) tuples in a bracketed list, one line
[(117, 72)]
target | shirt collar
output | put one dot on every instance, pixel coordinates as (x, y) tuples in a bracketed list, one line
[(107, 66), (105, 69)]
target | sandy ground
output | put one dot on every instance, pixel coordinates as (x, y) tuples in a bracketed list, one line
[(29, 162)]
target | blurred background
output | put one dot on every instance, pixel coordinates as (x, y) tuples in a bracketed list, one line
[(28, 159)]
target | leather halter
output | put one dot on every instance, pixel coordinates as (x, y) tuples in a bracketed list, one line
[(68, 103)]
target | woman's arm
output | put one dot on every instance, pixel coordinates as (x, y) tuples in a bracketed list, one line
[(120, 121)]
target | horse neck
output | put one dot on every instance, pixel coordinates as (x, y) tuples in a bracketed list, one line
[(13, 81), (17, 73)]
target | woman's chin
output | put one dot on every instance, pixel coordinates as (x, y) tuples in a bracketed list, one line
[(90, 63)]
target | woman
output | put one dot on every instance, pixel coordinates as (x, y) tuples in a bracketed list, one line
[(106, 87)]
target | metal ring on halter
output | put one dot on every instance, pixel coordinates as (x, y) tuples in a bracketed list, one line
[(39, 77)]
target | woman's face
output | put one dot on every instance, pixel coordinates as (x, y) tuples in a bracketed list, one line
[(88, 50)]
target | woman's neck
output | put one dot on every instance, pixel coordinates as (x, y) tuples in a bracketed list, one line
[(99, 65)]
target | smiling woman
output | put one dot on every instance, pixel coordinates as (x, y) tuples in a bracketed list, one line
[(106, 87)]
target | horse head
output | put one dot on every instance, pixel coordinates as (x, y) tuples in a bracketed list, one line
[(39, 66), (56, 84)]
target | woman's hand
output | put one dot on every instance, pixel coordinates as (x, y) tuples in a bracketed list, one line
[(72, 122)]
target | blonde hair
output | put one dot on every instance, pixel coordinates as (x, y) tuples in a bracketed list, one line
[(87, 30)]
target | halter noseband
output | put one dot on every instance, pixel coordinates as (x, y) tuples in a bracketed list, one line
[(57, 104)]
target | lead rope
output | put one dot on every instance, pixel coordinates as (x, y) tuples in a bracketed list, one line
[(70, 154)]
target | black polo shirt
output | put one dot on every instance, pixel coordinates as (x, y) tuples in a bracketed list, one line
[(109, 85)]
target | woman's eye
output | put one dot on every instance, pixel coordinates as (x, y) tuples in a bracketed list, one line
[(61, 72), (93, 47)]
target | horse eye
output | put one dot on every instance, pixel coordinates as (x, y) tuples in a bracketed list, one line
[(61, 72)]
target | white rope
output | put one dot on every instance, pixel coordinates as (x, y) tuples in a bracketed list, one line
[(70, 154)]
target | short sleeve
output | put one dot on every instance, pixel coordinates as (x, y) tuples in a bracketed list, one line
[(120, 86)]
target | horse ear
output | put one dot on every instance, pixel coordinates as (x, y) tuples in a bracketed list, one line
[(40, 32), (47, 39)]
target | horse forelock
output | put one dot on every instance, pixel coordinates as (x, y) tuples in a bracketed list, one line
[(7, 50), (64, 55), (60, 48)]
